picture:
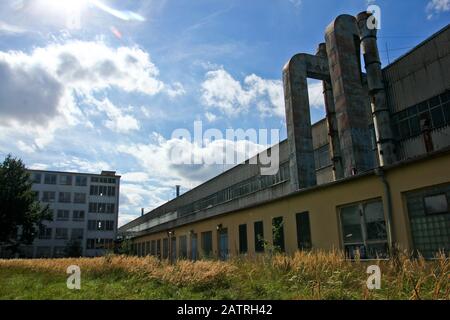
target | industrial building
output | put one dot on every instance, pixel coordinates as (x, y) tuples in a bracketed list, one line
[(85, 213), (372, 176)]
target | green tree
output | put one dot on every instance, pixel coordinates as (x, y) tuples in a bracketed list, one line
[(19, 208)]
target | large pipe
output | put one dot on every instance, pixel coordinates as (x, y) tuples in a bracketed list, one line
[(333, 134), (380, 110)]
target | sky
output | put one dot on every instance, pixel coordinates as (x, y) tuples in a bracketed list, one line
[(91, 85)]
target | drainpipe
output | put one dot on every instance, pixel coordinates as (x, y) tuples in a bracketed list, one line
[(387, 193)]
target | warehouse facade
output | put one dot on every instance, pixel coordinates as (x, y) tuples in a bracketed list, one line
[(369, 177)]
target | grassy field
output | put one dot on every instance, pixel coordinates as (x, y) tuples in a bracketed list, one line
[(315, 275)]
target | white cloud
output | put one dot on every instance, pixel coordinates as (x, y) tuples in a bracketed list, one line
[(37, 96), (156, 158), (134, 196), (135, 177), (226, 94), (176, 90), (437, 6), (24, 147), (81, 165), (10, 29), (117, 121), (211, 117)]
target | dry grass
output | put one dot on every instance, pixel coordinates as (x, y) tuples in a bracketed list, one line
[(306, 275)]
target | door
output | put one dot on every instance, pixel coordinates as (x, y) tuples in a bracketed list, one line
[(223, 244)]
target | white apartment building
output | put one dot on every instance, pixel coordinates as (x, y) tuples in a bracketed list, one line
[(85, 211)]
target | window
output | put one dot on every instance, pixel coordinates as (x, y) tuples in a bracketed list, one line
[(61, 233), (50, 178), (62, 215), (79, 198), (36, 195), (158, 248), (259, 236), (364, 230), (65, 180), (77, 234), (322, 157), (153, 247), (165, 248), (173, 249), (36, 178), (101, 207), (207, 247), (147, 248), (48, 196), (109, 225), (81, 181), (59, 252), (436, 204), (90, 244), (434, 113), (183, 247), (278, 233), (78, 215), (243, 246), (45, 233), (303, 231), (64, 197)]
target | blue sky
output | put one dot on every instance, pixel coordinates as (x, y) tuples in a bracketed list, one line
[(107, 91)]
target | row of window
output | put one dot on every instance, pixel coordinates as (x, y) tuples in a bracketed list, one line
[(63, 197), (64, 215), (431, 114), (103, 191), (240, 189), (103, 180), (95, 207), (64, 179), (46, 233), (169, 248), (100, 225), (100, 244), (67, 180), (363, 229)]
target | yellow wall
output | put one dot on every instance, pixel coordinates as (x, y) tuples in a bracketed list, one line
[(323, 204)]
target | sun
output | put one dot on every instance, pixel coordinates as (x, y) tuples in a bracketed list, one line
[(64, 7)]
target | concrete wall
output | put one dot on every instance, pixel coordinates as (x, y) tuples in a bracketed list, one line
[(323, 203), (420, 74)]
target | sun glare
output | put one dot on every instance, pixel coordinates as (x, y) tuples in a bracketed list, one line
[(64, 6)]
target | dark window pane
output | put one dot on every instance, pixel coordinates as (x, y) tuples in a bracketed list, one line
[(404, 129), (446, 108), (243, 246), (436, 204), (351, 224), (438, 117), (375, 223), (278, 233), (414, 125), (412, 111), (303, 231), (423, 106), (435, 102), (259, 236), (207, 243)]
